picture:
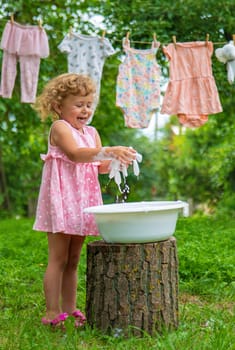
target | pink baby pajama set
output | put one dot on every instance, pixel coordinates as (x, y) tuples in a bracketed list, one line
[(26, 44), (87, 55), (138, 85), (191, 92)]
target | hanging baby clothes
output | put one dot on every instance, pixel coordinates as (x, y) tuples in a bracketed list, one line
[(86, 55), (26, 44), (138, 85), (226, 54), (191, 92)]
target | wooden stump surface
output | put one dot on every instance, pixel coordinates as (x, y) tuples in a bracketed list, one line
[(132, 286)]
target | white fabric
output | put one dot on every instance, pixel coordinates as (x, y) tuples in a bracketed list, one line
[(86, 55), (116, 169), (226, 55)]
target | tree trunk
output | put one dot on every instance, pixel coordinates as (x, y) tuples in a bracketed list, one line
[(3, 185), (132, 287)]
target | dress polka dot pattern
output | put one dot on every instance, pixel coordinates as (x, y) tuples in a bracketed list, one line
[(67, 188)]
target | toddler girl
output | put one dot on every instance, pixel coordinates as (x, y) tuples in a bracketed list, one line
[(69, 184)]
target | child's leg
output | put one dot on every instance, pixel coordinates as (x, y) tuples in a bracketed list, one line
[(69, 281), (58, 246)]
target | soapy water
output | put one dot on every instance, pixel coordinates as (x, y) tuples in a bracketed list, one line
[(124, 194), (123, 191)]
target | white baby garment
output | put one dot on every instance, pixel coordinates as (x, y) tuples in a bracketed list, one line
[(86, 55), (226, 55)]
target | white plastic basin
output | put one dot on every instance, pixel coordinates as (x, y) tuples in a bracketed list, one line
[(136, 222)]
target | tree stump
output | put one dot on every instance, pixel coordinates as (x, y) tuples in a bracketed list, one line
[(132, 288)]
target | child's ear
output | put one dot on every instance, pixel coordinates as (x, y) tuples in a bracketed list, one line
[(57, 108)]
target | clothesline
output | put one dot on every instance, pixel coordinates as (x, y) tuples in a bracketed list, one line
[(149, 42), (138, 89), (127, 35)]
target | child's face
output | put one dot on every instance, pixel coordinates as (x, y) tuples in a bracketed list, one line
[(77, 110)]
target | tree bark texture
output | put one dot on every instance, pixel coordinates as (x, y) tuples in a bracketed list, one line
[(132, 288)]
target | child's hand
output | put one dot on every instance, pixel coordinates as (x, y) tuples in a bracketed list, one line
[(124, 154), (116, 168)]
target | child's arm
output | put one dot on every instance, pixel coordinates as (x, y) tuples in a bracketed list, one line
[(104, 167), (104, 164), (61, 136)]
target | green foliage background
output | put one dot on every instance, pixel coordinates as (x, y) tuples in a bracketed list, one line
[(197, 164)]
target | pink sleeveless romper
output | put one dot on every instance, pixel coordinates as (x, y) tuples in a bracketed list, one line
[(67, 188)]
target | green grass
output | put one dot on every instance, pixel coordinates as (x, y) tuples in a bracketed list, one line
[(207, 292)]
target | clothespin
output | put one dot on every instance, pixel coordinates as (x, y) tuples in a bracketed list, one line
[(127, 37), (155, 39), (234, 39), (40, 23), (12, 18), (207, 38), (103, 35), (174, 40), (70, 32)]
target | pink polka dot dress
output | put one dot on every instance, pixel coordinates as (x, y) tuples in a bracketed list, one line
[(67, 188)]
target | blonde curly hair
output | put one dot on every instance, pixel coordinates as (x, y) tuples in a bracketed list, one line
[(59, 88)]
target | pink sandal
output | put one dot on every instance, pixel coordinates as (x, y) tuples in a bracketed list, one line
[(80, 319), (59, 320)]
